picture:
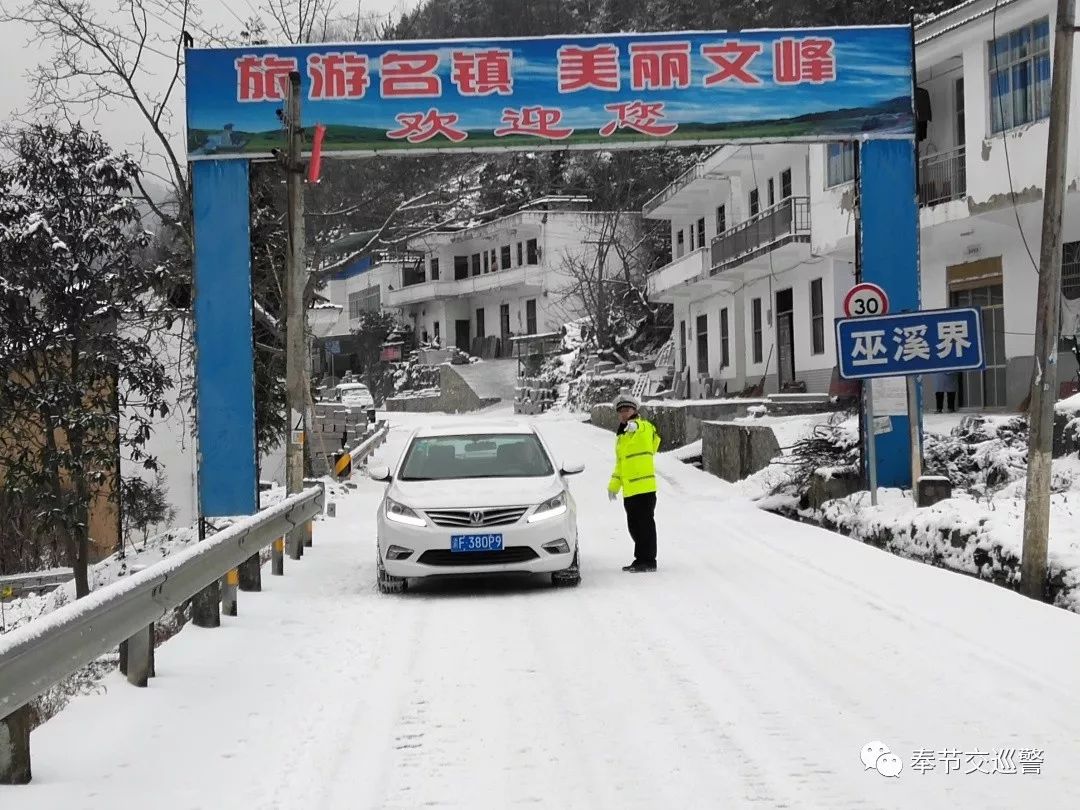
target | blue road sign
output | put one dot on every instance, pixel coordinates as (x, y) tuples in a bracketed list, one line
[(333, 346), (924, 342)]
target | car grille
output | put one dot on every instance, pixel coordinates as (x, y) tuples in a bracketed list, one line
[(463, 518), (445, 557)]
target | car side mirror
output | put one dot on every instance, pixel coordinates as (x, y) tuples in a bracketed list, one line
[(573, 468), (380, 472)]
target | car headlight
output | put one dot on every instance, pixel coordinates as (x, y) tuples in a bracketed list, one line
[(400, 513), (551, 508)]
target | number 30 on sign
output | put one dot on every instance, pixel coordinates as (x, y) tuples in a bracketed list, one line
[(865, 300)]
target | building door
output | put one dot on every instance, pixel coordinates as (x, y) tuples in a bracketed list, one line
[(504, 321), (985, 389), (461, 334), (785, 337), (481, 331)]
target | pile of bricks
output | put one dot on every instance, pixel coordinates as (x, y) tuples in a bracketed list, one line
[(334, 426), (533, 396)]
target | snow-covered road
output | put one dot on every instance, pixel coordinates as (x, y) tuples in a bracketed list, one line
[(748, 672)]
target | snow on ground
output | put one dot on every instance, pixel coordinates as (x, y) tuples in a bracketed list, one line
[(749, 671), (979, 530)]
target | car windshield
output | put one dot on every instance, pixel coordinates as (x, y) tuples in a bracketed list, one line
[(488, 455)]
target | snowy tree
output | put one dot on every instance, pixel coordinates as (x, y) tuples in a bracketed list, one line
[(77, 300), (605, 281)]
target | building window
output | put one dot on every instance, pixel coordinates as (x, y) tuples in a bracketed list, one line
[(532, 252), (1070, 270), (817, 317), (721, 219), (772, 192), (755, 202), (702, 344), (785, 184), (840, 164), (682, 345), (476, 264), (435, 327), (487, 267), (680, 244), (521, 253), (725, 339), (530, 317), (434, 268), (481, 332), (505, 257), (494, 260), (1020, 76), (368, 300), (755, 317), (961, 121), (461, 267), (701, 232)]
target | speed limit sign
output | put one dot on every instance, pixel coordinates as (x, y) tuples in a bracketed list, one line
[(865, 299)]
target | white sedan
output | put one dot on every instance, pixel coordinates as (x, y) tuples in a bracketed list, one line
[(476, 499)]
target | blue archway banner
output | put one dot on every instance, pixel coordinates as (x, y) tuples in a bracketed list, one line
[(559, 92)]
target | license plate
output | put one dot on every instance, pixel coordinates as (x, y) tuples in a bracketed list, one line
[(476, 542)]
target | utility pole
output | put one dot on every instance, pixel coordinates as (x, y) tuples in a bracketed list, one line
[(1044, 381), (295, 322)]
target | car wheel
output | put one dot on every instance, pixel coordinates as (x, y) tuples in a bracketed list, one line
[(389, 584), (568, 577)]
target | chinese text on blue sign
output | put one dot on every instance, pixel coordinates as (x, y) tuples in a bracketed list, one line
[(699, 87), (910, 343)]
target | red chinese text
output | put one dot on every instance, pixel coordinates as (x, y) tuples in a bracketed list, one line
[(409, 75), (481, 73), (643, 117), (812, 61), (581, 68), (732, 59), (338, 75), (420, 127), (659, 65), (540, 121), (263, 78)]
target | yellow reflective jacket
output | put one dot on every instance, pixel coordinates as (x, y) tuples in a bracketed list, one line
[(635, 473)]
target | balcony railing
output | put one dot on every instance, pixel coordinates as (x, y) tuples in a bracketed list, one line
[(695, 172), (943, 177), (787, 222)]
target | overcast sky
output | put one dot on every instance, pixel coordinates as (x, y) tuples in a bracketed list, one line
[(122, 127)]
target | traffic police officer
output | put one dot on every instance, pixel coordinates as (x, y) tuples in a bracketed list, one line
[(636, 443)]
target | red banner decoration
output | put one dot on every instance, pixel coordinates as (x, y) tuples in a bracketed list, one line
[(315, 166)]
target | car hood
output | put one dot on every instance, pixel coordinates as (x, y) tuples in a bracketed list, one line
[(465, 493)]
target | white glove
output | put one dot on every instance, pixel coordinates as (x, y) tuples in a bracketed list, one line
[(612, 495), (631, 426)]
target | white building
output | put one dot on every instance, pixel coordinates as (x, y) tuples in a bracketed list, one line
[(502, 278), (764, 237), (363, 286)]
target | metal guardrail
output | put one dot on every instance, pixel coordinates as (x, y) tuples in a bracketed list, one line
[(40, 654), (358, 454)]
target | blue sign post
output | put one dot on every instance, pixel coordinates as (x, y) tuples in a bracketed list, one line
[(901, 347), (925, 342)]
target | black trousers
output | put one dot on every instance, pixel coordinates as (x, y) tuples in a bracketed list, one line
[(640, 519), (940, 397)]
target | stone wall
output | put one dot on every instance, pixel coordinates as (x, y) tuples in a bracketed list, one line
[(454, 396), (734, 452), (677, 424)]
